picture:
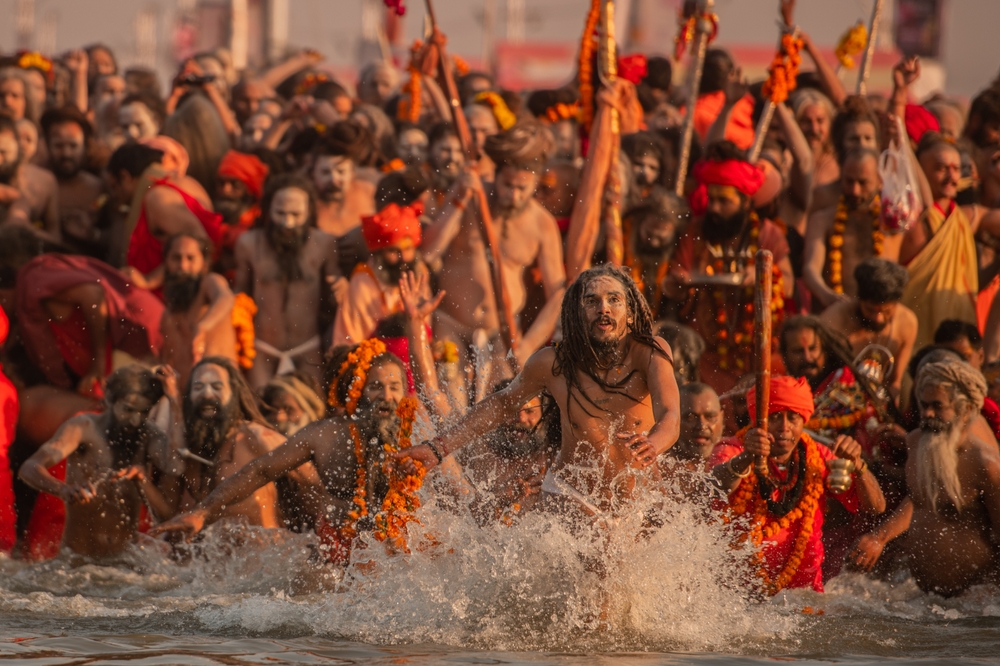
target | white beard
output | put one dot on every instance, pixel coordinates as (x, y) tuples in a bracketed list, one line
[(937, 465)]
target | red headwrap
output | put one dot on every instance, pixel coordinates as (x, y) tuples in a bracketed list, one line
[(919, 120), (391, 225), (633, 68), (745, 177), (787, 394), (246, 168)]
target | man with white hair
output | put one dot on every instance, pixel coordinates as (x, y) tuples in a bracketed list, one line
[(951, 516)]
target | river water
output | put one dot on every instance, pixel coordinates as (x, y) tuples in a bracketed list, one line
[(533, 593)]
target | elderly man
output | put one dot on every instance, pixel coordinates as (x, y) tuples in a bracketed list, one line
[(951, 516), (239, 186), (701, 424), (794, 489), (291, 402)]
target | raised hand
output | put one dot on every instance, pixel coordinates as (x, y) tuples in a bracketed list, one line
[(77, 61), (906, 72), (411, 292), (788, 12), (168, 377)]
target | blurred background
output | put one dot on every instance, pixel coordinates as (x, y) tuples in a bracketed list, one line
[(525, 43)]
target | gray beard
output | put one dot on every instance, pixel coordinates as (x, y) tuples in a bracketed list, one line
[(937, 465)]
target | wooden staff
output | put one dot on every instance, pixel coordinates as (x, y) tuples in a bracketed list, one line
[(866, 64), (703, 28), (608, 67), (508, 329), (763, 264), (761, 132)]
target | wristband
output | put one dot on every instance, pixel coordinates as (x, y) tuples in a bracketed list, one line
[(434, 449), (744, 475), (863, 468)]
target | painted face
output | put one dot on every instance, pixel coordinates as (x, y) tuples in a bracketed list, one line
[(110, 89), (185, 257), (412, 147), (646, 169), (447, 158), (605, 308), (290, 208), (66, 149), (701, 420), (131, 411), (815, 123), (938, 409), (786, 428), (12, 98), (943, 167), (137, 122), (332, 176), (860, 134), (514, 189), (27, 139), (384, 388), (210, 387), (254, 130), (804, 356), (859, 182)]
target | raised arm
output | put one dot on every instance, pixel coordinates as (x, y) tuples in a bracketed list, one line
[(302, 60), (550, 262), (827, 76), (448, 221), (803, 166), (418, 309)]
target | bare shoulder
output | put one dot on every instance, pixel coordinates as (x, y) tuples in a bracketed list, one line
[(837, 314), (40, 177), (264, 438), (247, 239), (907, 319), (216, 281), (363, 187), (325, 434), (822, 219), (647, 353), (545, 222)]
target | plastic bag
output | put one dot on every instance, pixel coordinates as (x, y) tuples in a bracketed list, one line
[(901, 202)]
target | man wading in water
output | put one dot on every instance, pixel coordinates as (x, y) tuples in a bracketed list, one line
[(614, 383)]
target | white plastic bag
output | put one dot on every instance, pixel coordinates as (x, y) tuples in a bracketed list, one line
[(901, 204)]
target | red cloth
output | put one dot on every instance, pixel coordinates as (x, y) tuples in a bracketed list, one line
[(633, 68), (778, 549), (8, 412), (145, 251), (133, 314), (391, 225), (991, 412), (745, 177), (245, 168), (401, 348), (741, 128), (333, 544), (918, 121), (787, 394)]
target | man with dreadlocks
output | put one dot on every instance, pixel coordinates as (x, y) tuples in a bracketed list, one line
[(109, 458), (614, 383)]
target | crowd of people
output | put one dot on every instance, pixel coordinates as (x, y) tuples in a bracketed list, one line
[(257, 298)]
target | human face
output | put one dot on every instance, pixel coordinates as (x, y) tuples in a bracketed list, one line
[(210, 387), (815, 124), (412, 147), (972, 356), (254, 130), (786, 428), (605, 308), (514, 189), (9, 154), (943, 167), (101, 62), (110, 89), (66, 149), (859, 182), (137, 122), (404, 250), (287, 417), (185, 257), (482, 124), (231, 199), (27, 139), (447, 158), (876, 316), (247, 99), (860, 134), (656, 233), (384, 387), (646, 169), (554, 193), (289, 208), (701, 421), (566, 139), (530, 414), (333, 176), (724, 201), (12, 98), (131, 411), (804, 356), (36, 87), (938, 409)]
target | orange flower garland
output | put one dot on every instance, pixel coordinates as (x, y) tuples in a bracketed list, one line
[(361, 358), (839, 422), (585, 66), (242, 316), (310, 81), (401, 500), (687, 29), (783, 70), (747, 499), (852, 43), (835, 255), (561, 111), (409, 102), (505, 119)]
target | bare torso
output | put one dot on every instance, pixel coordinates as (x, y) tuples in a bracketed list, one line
[(338, 218), (78, 203), (178, 329)]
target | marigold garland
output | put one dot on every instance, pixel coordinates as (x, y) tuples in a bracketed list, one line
[(685, 33), (746, 499), (585, 65), (401, 500), (561, 111), (361, 358), (852, 43), (409, 103), (784, 69), (242, 316), (461, 67), (838, 422), (310, 81), (505, 119), (445, 351), (835, 244)]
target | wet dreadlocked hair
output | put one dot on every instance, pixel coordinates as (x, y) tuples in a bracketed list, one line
[(576, 353), (247, 403)]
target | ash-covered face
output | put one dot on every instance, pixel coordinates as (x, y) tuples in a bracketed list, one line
[(605, 307), (332, 175), (646, 170), (384, 387), (514, 190), (210, 410), (137, 122), (412, 147), (447, 159)]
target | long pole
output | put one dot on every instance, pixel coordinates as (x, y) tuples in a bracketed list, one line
[(866, 65), (703, 29), (608, 67), (508, 328), (763, 265)]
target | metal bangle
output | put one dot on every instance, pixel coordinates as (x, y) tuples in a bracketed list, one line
[(732, 469), (434, 449)]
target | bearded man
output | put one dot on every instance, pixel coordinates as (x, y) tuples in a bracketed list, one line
[(797, 471), (646, 151), (392, 237), (951, 517), (287, 267), (239, 185), (840, 237), (613, 382), (27, 193), (343, 198), (651, 231), (329, 445), (723, 243), (109, 464), (876, 316), (701, 424), (291, 402), (814, 113), (445, 163), (67, 135), (527, 235), (197, 321)]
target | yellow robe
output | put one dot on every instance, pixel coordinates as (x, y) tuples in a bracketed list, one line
[(944, 280)]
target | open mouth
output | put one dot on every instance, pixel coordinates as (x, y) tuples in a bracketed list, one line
[(604, 324)]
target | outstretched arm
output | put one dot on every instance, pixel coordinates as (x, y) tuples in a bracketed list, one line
[(869, 547), (35, 470)]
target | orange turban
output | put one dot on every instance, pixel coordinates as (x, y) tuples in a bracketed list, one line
[(745, 177), (787, 394), (246, 168), (391, 225)]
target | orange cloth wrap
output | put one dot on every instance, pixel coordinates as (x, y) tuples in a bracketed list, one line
[(787, 394), (391, 225), (245, 168)]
